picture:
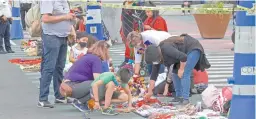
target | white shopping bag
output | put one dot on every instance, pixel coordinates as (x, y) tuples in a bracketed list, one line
[(161, 78)]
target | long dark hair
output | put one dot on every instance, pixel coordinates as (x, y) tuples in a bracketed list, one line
[(151, 4)]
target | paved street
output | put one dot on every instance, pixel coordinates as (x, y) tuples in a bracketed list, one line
[(17, 85), (20, 90)]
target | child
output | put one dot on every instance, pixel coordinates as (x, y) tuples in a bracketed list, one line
[(68, 64), (79, 49), (103, 88), (71, 44)]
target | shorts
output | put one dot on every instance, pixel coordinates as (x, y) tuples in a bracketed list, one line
[(102, 92)]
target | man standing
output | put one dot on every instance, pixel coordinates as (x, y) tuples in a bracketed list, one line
[(57, 24), (5, 20), (25, 5)]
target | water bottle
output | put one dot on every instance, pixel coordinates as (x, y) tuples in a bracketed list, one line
[(199, 106)]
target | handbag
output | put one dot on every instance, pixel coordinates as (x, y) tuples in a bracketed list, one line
[(65, 89)]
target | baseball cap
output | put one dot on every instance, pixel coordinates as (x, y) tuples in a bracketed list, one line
[(124, 75), (152, 55)]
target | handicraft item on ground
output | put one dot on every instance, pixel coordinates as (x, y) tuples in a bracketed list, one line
[(28, 65)]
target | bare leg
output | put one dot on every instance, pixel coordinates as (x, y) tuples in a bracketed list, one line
[(110, 87), (123, 97)]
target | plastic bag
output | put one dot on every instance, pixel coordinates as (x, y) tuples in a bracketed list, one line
[(35, 30), (210, 95), (227, 93)]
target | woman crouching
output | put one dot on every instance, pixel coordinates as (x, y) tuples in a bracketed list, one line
[(77, 82)]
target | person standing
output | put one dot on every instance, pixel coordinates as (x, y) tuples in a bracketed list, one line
[(57, 24), (154, 20), (129, 24), (5, 21), (25, 5), (186, 3)]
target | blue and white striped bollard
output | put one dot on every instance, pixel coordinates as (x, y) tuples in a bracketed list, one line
[(16, 27), (93, 23), (244, 89)]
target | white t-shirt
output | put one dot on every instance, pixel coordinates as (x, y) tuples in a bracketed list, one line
[(151, 37), (77, 52)]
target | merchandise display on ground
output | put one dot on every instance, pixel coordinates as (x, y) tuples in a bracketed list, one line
[(216, 102), (31, 48), (156, 109)]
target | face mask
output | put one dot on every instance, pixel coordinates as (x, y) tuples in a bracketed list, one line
[(82, 44)]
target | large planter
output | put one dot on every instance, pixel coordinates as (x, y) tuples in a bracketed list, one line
[(212, 26)]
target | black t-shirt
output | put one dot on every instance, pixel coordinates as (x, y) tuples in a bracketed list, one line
[(174, 53)]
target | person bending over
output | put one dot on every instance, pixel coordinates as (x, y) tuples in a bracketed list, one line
[(140, 41), (185, 53), (103, 88)]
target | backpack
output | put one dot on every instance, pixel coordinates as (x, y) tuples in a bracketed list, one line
[(200, 77), (33, 21)]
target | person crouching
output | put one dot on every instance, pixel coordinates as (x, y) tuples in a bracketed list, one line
[(103, 88)]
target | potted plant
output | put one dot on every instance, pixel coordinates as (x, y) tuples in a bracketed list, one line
[(212, 23)]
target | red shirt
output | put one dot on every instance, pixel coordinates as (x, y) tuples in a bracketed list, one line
[(81, 26), (159, 24)]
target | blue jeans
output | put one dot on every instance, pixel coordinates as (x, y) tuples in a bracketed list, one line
[(5, 35), (182, 86), (53, 63), (149, 67)]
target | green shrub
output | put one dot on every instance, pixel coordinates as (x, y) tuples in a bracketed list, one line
[(219, 5)]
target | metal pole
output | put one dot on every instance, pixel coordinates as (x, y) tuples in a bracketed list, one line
[(16, 27)]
